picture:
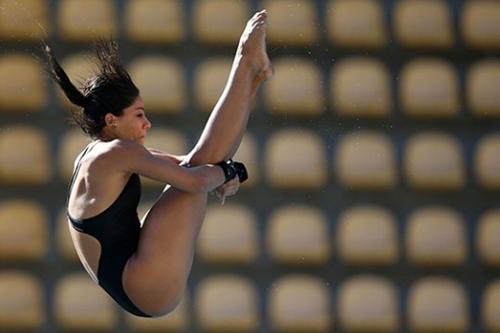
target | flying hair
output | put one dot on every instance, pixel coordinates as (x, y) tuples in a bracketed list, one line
[(109, 90)]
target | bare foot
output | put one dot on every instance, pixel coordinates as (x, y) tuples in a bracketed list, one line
[(253, 46)]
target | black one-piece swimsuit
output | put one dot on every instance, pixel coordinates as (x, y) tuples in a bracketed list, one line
[(117, 230)]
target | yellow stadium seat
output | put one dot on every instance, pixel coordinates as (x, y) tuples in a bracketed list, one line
[(360, 87), (299, 303), (229, 235), (248, 154), (423, 24), (487, 162), (155, 21), (296, 88), (226, 303), (176, 321), (24, 156), (298, 235), (87, 20), (65, 245), (80, 67), (23, 231), (369, 304), (285, 168), (356, 23), (429, 88), (24, 19), (219, 21), (488, 238), (26, 89), (367, 235), (161, 81), (167, 140), (482, 88), (80, 304), (366, 160), (22, 302), (437, 304), (434, 161), (490, 307), (209, 81), (481, 24), (72, 144), (436, 236), (291, 22)]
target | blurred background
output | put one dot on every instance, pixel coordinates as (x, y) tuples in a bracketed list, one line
[(374, 156)]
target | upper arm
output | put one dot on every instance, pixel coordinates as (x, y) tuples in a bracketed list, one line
[(135, 158)]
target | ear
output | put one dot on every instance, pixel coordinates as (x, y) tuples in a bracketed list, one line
[(110, 119)]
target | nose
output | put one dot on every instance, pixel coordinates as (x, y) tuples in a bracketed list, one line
[(147, 123)]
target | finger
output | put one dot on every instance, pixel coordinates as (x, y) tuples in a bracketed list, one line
[(223, 200)]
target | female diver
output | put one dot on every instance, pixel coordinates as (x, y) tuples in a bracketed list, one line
[(145, 269)]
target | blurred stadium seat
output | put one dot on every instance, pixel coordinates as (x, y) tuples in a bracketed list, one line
[(86, 20), (219, 22), (229, 235), (429, 88), (155, 21), (291, 22), (423, 24), (298, 234), (81, 305), (176, 321), (23, 231), (481, 24), (25, 157), (483, 80), (24, 20), (367, 235), (209, 81), (368, 303), (161, 81), (488, 237), (487, 162), (227, 303), (295, 158), (366, 160), (22, 305), (360, 87), (434, 161), (436, 236), (438, 304), (299, 303), (490, 307), (25, 75), (296, 88), (356, 23)]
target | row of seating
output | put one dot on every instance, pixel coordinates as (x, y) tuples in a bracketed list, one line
[(350, 24), (226, 302), (365, 235), (363, 159), (359, 86)]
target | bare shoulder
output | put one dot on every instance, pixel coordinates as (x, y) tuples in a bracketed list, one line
[(120, 148), (120, 154)]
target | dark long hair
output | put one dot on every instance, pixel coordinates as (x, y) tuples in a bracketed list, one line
[(109, 90)]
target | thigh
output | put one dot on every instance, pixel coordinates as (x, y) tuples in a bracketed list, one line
[(160, 267)]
